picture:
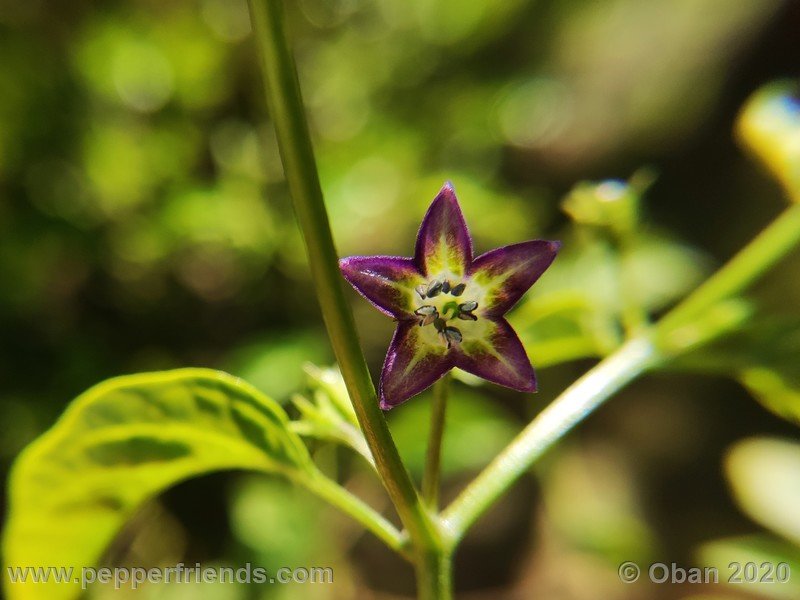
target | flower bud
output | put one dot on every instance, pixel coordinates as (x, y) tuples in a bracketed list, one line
[(768, 126), (611, 203)]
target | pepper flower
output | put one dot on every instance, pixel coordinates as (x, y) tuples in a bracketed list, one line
[(448, 305)]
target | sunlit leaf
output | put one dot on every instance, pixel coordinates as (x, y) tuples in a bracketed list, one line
[(121, 443), (765, 477), (327, 414)]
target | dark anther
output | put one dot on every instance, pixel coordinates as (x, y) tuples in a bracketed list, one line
[(422, 290), (434, 289), (445, 287), (457, 290), (465, 311), (450, 335), (454, 333), (427, 313)]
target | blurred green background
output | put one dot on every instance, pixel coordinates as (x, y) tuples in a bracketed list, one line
[(145, 225)]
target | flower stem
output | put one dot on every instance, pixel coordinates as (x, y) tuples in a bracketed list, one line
[(430, 478), (286, 108), (577, 401), (335, 494), (634, 316)]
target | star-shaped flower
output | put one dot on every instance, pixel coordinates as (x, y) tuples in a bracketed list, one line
[(448, 305)]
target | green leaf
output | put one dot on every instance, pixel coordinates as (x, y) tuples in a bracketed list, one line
[(774, 378), (330, 393), (764, 474), (320, 421), (123, 442), (776, 392), (763, 358)]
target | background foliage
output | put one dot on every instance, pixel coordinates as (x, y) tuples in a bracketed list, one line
[(144, 225)]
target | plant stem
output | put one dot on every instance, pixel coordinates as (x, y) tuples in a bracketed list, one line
[(634, 316), (430, 478), (286, 108), (335, 494), (577, 401), (434, 576), (753, 261)]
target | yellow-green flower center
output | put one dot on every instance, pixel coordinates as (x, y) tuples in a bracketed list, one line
[(439, 303)]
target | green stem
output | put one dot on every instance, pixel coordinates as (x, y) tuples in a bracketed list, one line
[(434, 576), (430, 478), (753, 261), (634, 316), (286, 108), (575, 403), (335, 494)]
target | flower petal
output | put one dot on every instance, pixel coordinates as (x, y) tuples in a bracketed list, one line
[(444, 246), (388, 282), (411, 365), (497, 356), (506, 273)]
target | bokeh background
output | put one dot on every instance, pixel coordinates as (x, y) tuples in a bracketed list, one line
[(145, 225)]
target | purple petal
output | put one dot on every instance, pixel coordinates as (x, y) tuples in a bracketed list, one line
[(506, 273), (443, 241), (411, 365), (498, 357), (386, 281)]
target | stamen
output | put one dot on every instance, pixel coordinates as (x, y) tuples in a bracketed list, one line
[(434, 288), (465, 311), (428, 313), (438, 316), (450, 335), (454, 334)]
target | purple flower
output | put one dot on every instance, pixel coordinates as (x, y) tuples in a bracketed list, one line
[(448, 305)]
